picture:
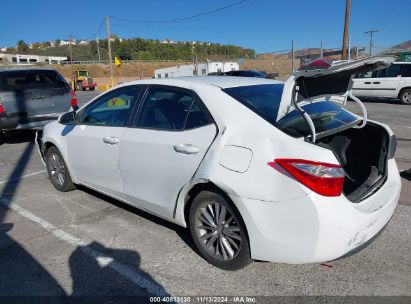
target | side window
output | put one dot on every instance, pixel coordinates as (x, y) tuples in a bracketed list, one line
[(164, 109), (392, 71), (196, 117), (168, 109), (364, 75), (112, 109), (407, 70)]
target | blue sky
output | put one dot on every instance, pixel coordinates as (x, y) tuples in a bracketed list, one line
[(265, 25)]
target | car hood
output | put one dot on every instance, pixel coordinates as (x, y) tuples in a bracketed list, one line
[(333, 83)]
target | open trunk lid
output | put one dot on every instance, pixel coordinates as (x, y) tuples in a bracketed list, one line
[(309, 84)]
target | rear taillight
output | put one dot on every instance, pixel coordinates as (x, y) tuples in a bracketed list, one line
[(323, 178), (73, 100), (1, 108)]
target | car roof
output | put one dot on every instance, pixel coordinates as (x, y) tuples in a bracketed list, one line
[(218, 81), (13, 69)]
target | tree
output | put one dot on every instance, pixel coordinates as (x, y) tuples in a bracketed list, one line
[(22, 47), (37, 45), (57, 42)]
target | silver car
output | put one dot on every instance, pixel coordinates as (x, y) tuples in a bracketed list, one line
[(30, 98)]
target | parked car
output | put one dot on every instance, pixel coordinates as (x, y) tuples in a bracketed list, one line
[(30, 98), (393, 82), (255, 168), (241, 73)]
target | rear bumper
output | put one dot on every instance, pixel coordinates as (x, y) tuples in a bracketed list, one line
[(20, 122), (315, 228), (8, 123)]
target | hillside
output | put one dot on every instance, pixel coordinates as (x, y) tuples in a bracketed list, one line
[(399, 48), (405, 46), (133, 70), (138, 48)]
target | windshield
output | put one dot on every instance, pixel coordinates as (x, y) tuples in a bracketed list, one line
[(31, 79), (265, 101)]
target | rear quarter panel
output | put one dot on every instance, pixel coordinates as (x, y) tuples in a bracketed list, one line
[(238, 126)]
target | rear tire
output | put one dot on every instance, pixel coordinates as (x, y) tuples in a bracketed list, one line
[(405, 96), (218, 231), (58, 171)]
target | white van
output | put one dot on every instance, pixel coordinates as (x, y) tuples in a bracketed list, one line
[(393, 82)]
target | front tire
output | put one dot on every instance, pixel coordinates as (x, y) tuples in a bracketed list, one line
[(58, 171), (218, 231), (405, 97)]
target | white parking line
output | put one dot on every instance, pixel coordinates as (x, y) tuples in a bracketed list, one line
[(18, 178), (407, 127), (133, 276)]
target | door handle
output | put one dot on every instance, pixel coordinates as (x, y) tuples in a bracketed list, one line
[(111, 140), (186, 149), (367, 82), (377, 82)]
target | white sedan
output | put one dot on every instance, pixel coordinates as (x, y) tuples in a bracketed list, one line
[(255, 168)]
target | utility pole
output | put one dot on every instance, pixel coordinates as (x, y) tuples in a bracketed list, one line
[(292, 56), (141, 67), (371, 32), (98, 50), (346, 26), (71, 62), (70, 49), (110, 58), (321, 50)]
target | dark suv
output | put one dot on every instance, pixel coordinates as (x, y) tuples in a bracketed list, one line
[(30, 98)]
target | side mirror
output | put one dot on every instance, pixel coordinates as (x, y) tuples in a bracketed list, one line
[(68, 118)]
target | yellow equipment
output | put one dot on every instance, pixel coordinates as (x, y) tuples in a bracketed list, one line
[(82, 81)]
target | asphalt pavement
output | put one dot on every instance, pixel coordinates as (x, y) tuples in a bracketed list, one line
[(85, 244)]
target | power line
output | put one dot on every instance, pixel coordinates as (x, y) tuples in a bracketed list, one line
[(92, 37), (398, 9), (217, 10)]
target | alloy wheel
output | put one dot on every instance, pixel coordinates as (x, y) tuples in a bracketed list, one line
[(218, 231), (57, 169), (406, 97)]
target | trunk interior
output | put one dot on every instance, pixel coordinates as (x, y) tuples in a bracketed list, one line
[(363, 155)]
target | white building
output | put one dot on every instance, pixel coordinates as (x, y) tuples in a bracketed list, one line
[(30, 59), (203, 69)]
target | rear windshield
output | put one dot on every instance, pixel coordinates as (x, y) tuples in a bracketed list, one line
[(326, 116), (265, 101), (30, 80)]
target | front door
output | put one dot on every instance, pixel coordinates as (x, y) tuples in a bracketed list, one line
[(94, 143)]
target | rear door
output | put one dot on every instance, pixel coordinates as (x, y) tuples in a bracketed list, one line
[(165, 146), (385, 82)]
